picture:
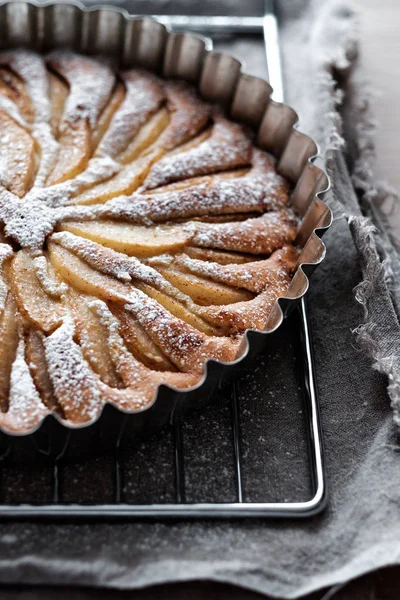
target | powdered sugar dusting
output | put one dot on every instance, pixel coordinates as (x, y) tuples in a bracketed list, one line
[(75, 385), (227, 147), (120, 266), (222, 196), (261, 235), (12, 110), (144, 96), (130, 370), (27, 221), (48, 284), (5, 252), (25, 406), (48, 151), (31, 68), (91, 84)]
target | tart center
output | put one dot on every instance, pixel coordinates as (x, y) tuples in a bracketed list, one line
[(26, 221)]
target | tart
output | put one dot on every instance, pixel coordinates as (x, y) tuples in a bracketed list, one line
[(142, 233)]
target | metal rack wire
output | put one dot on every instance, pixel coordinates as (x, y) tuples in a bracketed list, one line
[(52, 460), (55, 505)]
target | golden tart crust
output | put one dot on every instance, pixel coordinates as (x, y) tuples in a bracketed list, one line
[(141, 234)]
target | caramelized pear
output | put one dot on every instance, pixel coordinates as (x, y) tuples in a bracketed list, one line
[(92, 338), (74, 152), (35, 305), (139, 343), (17, 153), (146, 137), (203, 291), (133, 240), (36, 359), (126, 181), (79, 275), (8, 348), (177, 309)]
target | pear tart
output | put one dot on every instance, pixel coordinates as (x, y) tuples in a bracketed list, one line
[(141, 234)]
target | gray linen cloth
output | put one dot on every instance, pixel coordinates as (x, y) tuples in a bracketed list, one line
[(360, 530)]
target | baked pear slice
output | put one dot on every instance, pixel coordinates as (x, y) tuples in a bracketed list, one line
[(188, 115), (139, 343), (146, 137), (79, 275), (219, 256), (36, 359), (17, 154), (73, 154), (254, 277), (271, 278), (90, 87), (92, 338), (38, 307), (58, 94), (25, 408), (76, 386), (203, 291), (8, 348), (259, 235), (13, 88), (107, 114), (227, 147), (143, 99), (177, 309), (125, 182), (132, 240)]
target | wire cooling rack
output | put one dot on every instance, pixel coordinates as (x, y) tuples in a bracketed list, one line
[(121, 484), (44, 484)]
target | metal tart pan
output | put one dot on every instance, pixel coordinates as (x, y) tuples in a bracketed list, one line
[(146, 43)]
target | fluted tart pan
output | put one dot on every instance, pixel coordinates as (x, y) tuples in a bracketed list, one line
[(147, 44)]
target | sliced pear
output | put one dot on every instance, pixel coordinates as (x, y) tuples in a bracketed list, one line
[(259, 235), (76, 386), (229, 218), (17, 155), (107, 114), (203, 291), (133, 240), (227, 147), (202, 180), (79, 275), (188, 115), (36, 359), (139, 343), (74, 152), (39, 308), (58, 93), (124, 183), (8, 348), (254, 277), (143, 98), (182, 185), (196, 141), (13, 88), (147, 135), (177, 309), (93, 339), (252, 314), (91, 84), (218, 256)]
